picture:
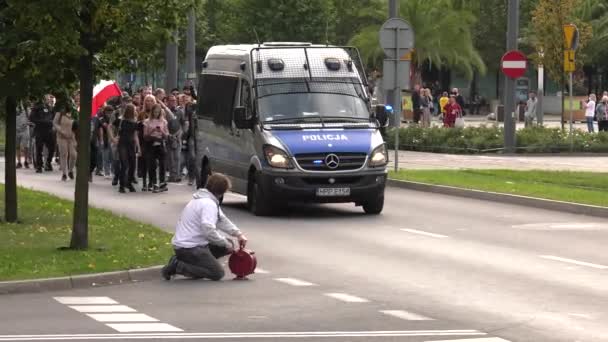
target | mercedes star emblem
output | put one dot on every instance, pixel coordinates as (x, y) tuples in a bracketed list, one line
[(332, 161)]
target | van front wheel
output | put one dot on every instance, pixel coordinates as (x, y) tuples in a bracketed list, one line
[(374, 207), (257, 201)]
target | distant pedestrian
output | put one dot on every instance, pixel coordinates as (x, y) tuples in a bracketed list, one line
[(176, 125), (144, 114), (42, 117), (459, 100), (203, 234), (188, 143), (530, 113), (128, 148), (66, 141), (601, 113), (416, 104), (23, 136), (590, 112), (443, 101), (426, 103), (452, 112), (155, 135)]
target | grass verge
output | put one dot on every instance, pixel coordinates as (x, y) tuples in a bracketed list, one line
[(578, 187), (30, 249)]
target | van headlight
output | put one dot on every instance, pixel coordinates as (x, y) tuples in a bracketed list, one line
[(379, 156), (276, 157)]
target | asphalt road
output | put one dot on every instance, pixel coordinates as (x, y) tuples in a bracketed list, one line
[(430, 268)]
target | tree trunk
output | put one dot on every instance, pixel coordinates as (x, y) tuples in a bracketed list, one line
[(10, 173), (80, 227)]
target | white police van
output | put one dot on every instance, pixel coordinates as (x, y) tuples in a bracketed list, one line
[(290, 122)]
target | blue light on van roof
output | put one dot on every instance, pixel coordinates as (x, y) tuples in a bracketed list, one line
[(317, 162), (388, 107)]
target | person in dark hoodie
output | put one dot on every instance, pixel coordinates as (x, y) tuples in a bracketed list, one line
[(42, 117), (203, 234)]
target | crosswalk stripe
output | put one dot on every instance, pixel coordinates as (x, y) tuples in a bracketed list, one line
[(102, 308), (120, 317), (85, 300), (484, 339), (143, 327)]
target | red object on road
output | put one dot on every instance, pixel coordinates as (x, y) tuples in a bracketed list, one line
[(242, 263), (514, 64), (102, 92)]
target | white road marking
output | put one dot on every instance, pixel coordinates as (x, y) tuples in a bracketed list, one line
[(294, 282), (486, 339), (260, 335), (346, 297), (85, 300), (143, 327), (514, 64), (261, 271), (576, 262), (120, 317), (102, 308), (420, 232), (580, 315), (408, 316)]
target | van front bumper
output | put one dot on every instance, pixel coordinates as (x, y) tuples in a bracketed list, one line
[(302, 187)]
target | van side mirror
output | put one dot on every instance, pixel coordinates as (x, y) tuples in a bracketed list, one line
[(381, 115), (241, 119)]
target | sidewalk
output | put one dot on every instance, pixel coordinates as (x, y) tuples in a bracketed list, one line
[(423, 160)]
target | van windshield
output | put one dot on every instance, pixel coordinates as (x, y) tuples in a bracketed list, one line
[(335, 99), (303, 105)]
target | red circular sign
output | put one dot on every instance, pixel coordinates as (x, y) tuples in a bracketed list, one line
[(514, 64)]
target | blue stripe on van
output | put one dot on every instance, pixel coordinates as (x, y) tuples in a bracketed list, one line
[(325, 141)]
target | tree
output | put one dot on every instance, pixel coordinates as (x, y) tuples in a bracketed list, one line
[(89, 38), (548, 19), (442, 37)]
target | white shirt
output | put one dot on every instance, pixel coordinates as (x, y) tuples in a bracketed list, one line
[(590, 109), (202, 222)]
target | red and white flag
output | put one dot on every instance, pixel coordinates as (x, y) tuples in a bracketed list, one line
[(102, 92)]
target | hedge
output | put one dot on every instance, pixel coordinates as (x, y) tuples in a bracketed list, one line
[(489, 139)]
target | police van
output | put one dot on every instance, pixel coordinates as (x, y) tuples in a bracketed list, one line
[(290, 122)]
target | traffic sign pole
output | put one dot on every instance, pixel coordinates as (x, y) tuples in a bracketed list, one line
[(571, 115), (509, 95)]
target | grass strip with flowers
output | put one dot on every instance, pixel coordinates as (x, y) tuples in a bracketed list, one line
[(29, 249)]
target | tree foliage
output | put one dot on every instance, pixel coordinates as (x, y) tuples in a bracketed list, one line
[(548, 19)]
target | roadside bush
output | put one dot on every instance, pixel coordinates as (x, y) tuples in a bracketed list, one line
[(485, 139)]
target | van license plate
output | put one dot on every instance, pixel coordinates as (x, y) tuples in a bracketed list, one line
[(333, 192)]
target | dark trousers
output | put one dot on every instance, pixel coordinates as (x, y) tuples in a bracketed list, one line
[(201, 262), (155, 157), (602, 125), (42, 140), (93, 161), (417, 115), (126, 170)]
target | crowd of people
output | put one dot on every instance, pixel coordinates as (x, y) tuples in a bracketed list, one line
[(448, 107), (144, 136), (596, 111)]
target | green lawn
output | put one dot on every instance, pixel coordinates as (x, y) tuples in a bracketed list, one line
[(579, 187), (29, 249)]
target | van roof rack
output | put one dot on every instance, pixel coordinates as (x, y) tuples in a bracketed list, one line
[(286, 44)]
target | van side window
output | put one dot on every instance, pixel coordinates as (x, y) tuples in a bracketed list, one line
[(217, 98), (246, 96)]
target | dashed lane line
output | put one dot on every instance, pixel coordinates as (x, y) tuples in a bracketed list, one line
[(420, 232), (294, 282), (485, 339), (143, 327), (575, 262), (346, 297), (85, 300), (120, 317), (102, 308), (405, 315)]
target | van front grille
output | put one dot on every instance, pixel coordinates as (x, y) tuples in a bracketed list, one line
[(317, 161)]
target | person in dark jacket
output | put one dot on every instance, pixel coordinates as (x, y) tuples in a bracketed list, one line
[(42, 117), (459, 100), (417, 104)]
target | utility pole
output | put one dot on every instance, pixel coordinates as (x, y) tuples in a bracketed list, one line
[(393, 12), (394, 97), (171, 64), (191, 47), (509, 95), (540, 114)]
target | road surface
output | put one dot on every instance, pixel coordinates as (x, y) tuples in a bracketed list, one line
[(430, 268)]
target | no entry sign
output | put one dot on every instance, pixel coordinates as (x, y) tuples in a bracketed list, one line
[(514, 63)]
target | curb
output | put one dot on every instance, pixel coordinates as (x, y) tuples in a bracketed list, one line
[(80, 281), (568, 207)]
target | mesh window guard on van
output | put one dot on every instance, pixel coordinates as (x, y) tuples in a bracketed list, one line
[(275, 86)]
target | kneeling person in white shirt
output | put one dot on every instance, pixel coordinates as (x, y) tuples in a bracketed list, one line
[(202, 234)]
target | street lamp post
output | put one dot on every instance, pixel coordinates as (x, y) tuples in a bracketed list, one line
[(541, 89)]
